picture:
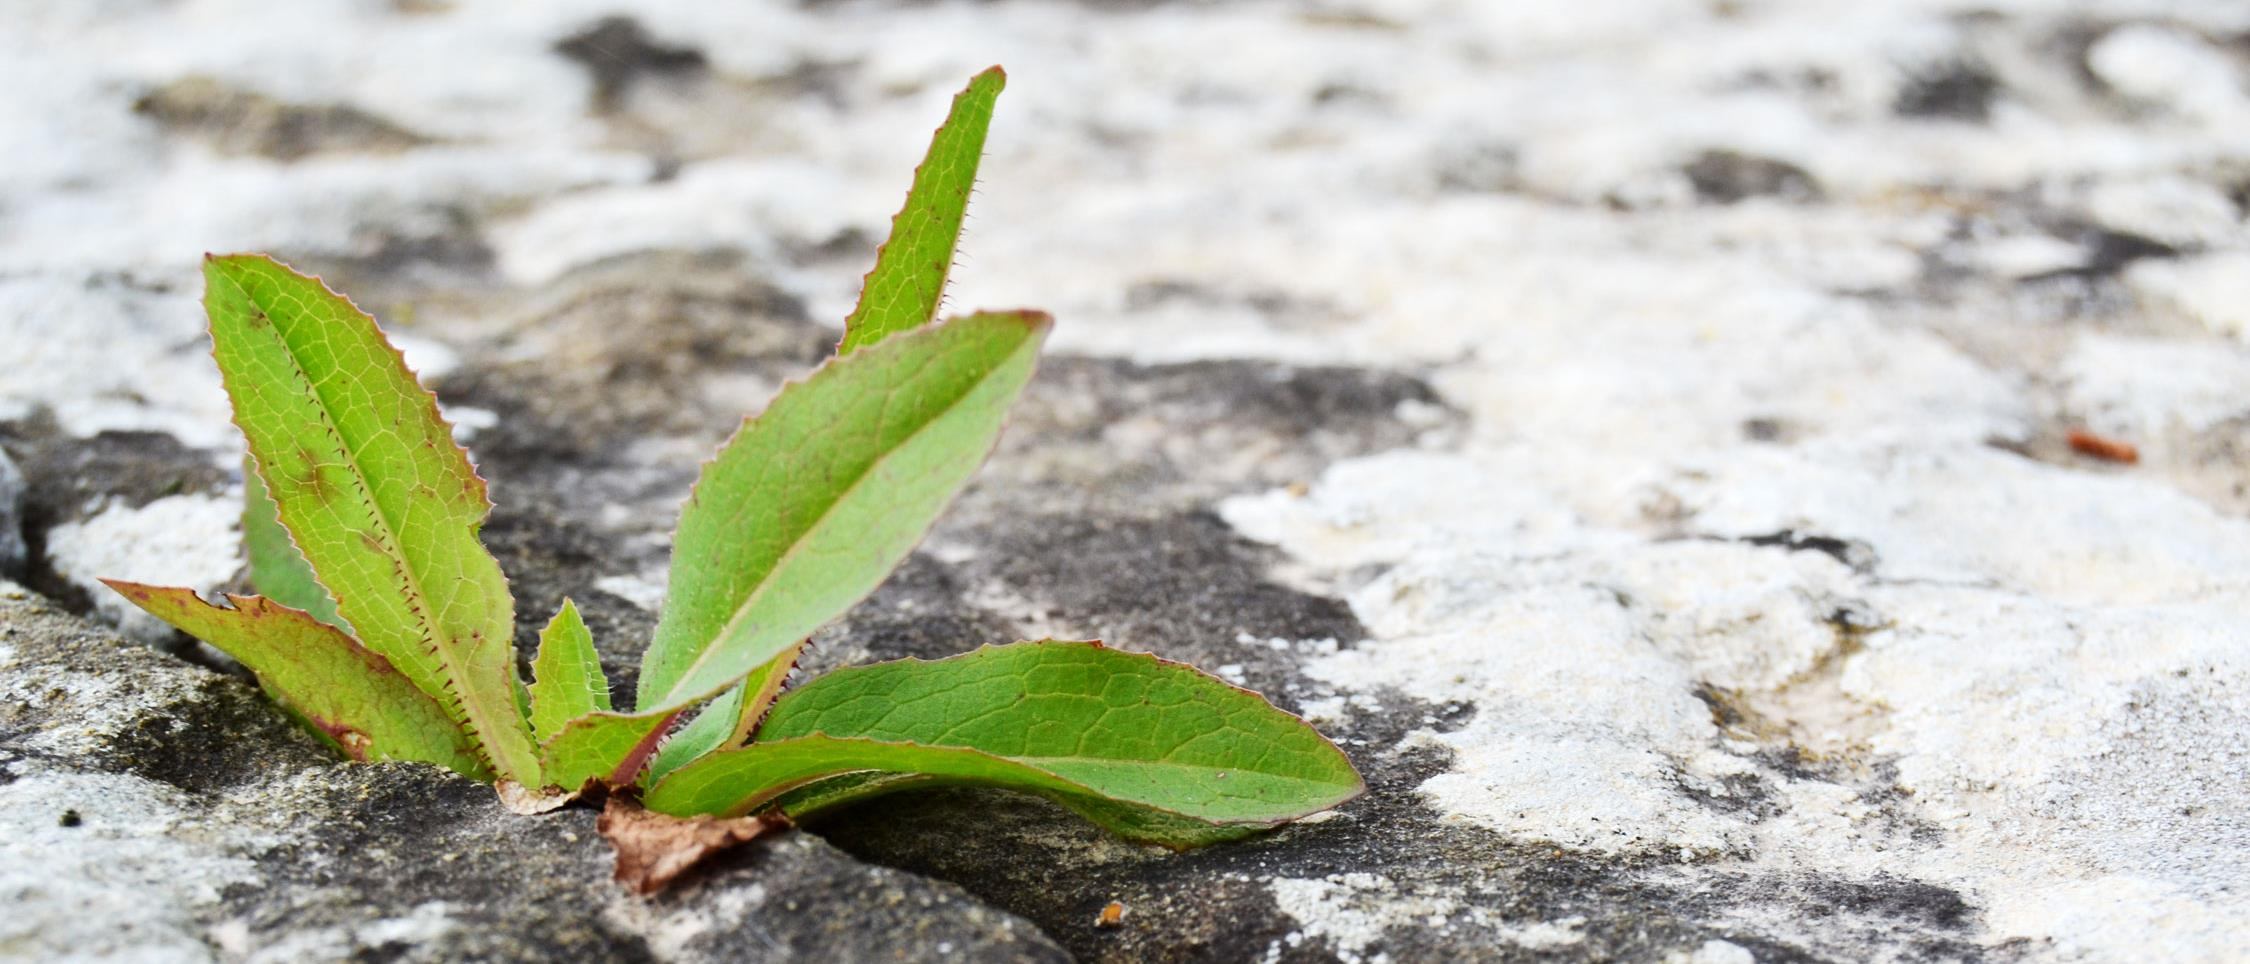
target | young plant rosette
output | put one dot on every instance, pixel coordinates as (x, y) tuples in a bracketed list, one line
[(385, 626)]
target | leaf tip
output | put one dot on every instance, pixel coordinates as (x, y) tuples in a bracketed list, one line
[(565, 615), (139, 594), (216, 262), (1037, 323)]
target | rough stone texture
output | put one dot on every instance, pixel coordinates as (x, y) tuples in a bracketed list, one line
[(158, 811), (1637, 431)]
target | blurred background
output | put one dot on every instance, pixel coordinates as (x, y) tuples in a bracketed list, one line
[(1747, 479)]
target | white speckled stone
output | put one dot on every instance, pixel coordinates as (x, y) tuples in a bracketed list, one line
[(1744, 541)]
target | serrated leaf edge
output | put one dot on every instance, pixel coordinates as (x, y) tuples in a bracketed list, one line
[(859, 306), (449, 697)]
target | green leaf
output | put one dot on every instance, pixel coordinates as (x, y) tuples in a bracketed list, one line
[(903, 291), (566, 676), (814, 501), (603, 747), (1151, 749), (802, 514), (347, 694), (380, 501), (277, 569)]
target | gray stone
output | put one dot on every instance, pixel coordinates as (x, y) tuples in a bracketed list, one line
[(12, 556), (159, 811)]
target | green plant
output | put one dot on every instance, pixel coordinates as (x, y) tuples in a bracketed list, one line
[(387, 628)]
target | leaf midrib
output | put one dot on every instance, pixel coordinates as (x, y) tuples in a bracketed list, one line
[(673, 695)]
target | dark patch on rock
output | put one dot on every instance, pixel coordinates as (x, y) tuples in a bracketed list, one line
[(1858, 555), (1747, 796), (1394, 715), (1119, 438), (442, 245), (237, 121), (1909, 900), (1959, 90), (1882, 791), (1926, 921), (1725, 177), (853, 245), (1801, 80), (67, 479), (1154, 292), (2070, 45), (1482, 168), (828, 82), (220, 733), (1726, 712), (13, 552), (1184, 587), (920, 611), (1279, 308), (1771, 430), (619, 52), (1341, 94), (65, 473), (2108, 253)]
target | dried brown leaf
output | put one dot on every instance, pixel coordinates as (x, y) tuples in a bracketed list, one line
[(654, 849)]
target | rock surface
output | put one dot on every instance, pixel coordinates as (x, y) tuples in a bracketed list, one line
[(12, 550), (1640, 435), (160, 811)]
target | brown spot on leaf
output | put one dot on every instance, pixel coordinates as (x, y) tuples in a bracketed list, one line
[(654, 849), (354, 743), (313, 485)]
